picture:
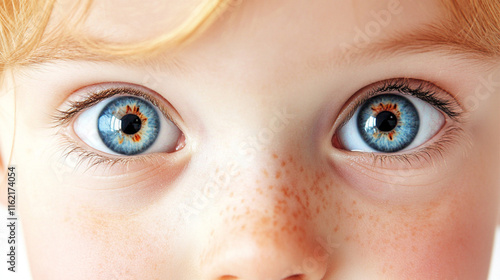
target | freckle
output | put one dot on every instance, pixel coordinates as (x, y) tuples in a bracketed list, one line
[(354, 202), (317, 210), (270, 187), (278, 174), (259, 190), (285, 191), (301, 169), (231, 194), (283, 163), (265, 173), (275, 156)]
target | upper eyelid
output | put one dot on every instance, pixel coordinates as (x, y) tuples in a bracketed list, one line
[(452, 108), (63, 117)]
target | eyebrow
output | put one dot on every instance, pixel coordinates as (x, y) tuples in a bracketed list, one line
[(431, 38)]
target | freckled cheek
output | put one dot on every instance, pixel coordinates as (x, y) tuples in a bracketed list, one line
[(124, 247), (445, 239)]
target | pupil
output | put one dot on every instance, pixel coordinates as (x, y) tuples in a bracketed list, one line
[(386, 121), (131, 124)]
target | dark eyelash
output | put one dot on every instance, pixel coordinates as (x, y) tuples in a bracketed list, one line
[(431, 94), (75, 107), (71, 147), (424, 91), (417, 88)]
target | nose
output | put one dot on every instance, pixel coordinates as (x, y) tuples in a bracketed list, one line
[(280, 260), (264, 231)]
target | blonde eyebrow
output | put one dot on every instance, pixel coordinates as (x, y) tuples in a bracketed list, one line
[(431, 38), (72, 51)]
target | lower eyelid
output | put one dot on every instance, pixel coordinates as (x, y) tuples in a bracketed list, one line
[(451, 139)]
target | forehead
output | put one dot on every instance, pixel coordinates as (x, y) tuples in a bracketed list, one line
[(282, 26)]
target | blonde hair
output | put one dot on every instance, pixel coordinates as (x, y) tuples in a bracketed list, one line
[(25, 38)]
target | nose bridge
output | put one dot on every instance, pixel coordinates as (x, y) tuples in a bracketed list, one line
[(264, 229)]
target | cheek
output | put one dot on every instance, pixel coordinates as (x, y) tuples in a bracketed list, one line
[(450, 236), (111, 246)]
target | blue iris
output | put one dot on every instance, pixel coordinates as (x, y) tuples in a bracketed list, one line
[(388, 122), (128, 125)]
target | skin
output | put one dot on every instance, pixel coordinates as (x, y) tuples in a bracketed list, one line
[(287, 206)]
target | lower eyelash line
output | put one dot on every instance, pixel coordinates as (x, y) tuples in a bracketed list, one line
[(435, 150), (70, 147)]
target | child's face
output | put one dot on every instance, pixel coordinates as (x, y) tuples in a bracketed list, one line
[(258, 189)]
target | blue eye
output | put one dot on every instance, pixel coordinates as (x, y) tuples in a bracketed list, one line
[(127, 125), (390, 123)]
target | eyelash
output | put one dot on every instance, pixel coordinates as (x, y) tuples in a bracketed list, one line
[(69, 146), (430, 94), (417, 88)]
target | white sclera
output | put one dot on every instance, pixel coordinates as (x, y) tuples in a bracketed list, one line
[(85, 127), (431, 121)]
